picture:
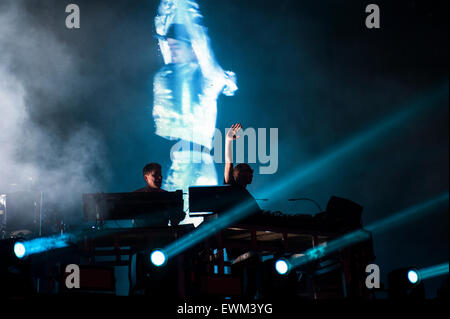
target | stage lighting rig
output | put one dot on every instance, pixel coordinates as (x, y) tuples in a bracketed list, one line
[(12, 250), (413, 276), (282, 266), (20, 250), (15, 269), (406, 283), (158, 258)]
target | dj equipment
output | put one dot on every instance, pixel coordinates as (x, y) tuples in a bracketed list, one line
[(155, 207), (207, 200), (20, 213), (235, 260)]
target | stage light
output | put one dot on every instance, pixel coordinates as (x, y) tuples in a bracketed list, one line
[(405, 283), (413, 276), (158, 258), (19, 250), (16, 281), (282, 266)]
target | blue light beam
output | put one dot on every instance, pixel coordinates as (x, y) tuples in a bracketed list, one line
[(368, 138), (299, 177), (433, 271), (207, 229), (39, 245), (360, 235)]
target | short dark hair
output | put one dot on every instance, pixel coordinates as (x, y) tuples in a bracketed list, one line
[(148, 168), (242, 166)]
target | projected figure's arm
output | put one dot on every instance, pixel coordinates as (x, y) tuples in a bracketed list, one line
[(231, 135), (224, 82), (187, 12)]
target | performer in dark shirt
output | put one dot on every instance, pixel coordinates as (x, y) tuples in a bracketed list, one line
[(242, 174), (153, 178), (239, 176), (152, 173)]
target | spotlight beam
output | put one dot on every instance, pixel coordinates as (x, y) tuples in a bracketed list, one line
[(300, 176), (43, 244), (408, 214), (367, 138), (433, 271), (207, 229)]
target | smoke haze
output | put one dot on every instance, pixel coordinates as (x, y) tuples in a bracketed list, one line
[(38, 79)]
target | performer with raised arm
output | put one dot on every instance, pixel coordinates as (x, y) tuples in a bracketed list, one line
[(186, 89), (239, 176), (242, 174)]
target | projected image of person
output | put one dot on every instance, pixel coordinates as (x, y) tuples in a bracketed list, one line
[(186, 89)]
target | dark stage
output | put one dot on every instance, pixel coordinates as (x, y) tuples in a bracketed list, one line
[(246, 156)]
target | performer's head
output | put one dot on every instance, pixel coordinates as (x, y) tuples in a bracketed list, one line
[(243, 174), (180, 44), (152, 175)]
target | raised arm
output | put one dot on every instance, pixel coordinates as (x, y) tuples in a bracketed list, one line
[(231, 135)]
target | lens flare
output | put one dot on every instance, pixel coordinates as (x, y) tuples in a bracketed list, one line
[(282, 266), (19, 250), (158, 258), (413, 276)]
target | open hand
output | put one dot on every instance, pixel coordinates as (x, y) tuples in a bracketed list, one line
[(231, 134)]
